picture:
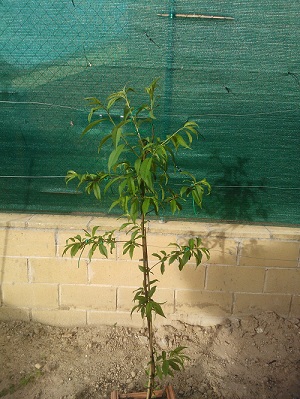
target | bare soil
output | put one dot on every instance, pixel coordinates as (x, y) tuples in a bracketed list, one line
[(252, 358)]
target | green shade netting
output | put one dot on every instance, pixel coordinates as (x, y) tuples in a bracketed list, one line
[(237, 78)]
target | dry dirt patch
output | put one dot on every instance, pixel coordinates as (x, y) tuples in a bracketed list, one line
[(256, 357)]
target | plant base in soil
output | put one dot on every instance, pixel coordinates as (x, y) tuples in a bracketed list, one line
[(168, 393)]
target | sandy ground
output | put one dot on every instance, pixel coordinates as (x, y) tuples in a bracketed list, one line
[(253, 358)]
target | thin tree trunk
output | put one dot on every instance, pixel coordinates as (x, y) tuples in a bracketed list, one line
[(146, 283)]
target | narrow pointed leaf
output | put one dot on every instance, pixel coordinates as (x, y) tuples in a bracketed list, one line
[(114, 156), (91, 125), (103, 141)]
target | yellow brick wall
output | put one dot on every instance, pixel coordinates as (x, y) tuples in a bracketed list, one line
[(251, 269)]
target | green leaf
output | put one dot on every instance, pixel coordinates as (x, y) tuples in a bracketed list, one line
[(103, 250), (174, 365), (158, 309), (71, 174), (183, 190), (156, 204), (115, 203), (124, 225), (116, 133), (137, 165), (196, 197), (184, 259), (145, 172), (103, 141), (134, 210), (180, 141), (96, 190), (189, 136), (145, 205), (122, 187), (143, 107), (149, 310), (205, 183), (206, 252), (137, 308), (173, 258), (198, 257), (91, 252), (159, 372), (98, 105), (153, 281), (152, 292), (165, 368), (92, 124), (131, 185), (127, 112), (75, 248), (191, 243), (151, 114), (138, 291), (191, 126), (129, 247), (95, 228), (114, 156), (179, 349), (115, 97), (111, 182), (126, 247), (93, 100), (151, 89), (173, 206)]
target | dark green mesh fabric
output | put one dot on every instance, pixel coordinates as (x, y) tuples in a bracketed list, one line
[(239, 79)]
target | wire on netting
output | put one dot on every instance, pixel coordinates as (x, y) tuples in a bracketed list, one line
[(32, 177), (42, 103), (171, 115), (229, 186)]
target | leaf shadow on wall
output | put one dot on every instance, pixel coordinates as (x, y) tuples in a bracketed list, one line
[(235, 196)]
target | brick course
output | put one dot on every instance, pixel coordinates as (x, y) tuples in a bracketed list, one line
[(251, 269)]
